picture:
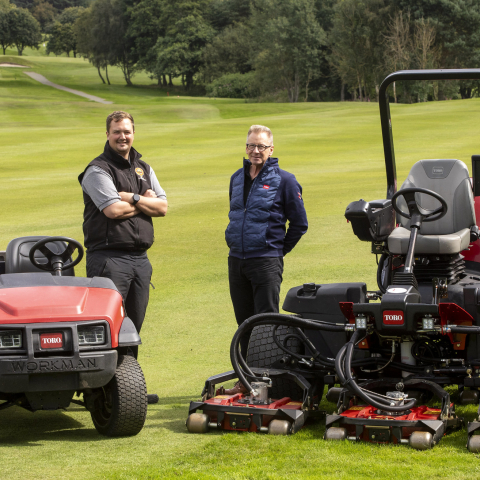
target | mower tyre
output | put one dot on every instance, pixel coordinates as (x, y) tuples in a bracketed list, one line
[(279, 427), (335, 433), (263, 352), (197, 423), (421, 440), (120, 407)]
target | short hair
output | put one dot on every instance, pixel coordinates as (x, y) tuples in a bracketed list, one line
[(117, 116), (261, 129)]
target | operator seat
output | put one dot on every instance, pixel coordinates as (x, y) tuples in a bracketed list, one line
[(17, 255), (450, 234)]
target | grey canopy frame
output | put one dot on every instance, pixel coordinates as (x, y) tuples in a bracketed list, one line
[(385, 118)]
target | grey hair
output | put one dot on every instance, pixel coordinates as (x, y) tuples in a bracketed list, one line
[(261, 129)]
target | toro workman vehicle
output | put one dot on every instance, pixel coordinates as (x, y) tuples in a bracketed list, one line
[(63, 336), (384, 354)]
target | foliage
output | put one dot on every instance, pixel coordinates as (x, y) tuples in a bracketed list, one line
[(290, 44), (63, 38), (23, 28), (5, 35), (58, 5), (231, 51), (101, 37), (44, 12), (234, 85)]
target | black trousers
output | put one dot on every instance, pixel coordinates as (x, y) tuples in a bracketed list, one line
[(254, 288), (131, 273)]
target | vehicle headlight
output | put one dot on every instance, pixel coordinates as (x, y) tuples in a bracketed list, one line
[(91, 335), (11, 339)]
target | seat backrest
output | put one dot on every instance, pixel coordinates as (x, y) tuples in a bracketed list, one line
[(450, 179), (17, 255)]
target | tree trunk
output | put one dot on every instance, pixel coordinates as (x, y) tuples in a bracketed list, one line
[(170, 83), (183, 80), (4, 48), (377, 92), (106, 73), (306, 86), (395, 92), (19, 50), (342, 93), (100, 75), (159, 81), (164, 80), (360, 88)]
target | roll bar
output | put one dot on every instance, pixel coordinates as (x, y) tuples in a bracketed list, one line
[(386, 122)]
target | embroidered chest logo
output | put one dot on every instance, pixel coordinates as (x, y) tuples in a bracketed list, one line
[(299, 195), (266, 187), (140, 173)]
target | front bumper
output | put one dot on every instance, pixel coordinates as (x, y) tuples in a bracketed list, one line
[(72, 367)]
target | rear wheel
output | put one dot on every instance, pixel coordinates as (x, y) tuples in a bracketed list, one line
[(263, 352), (120, 407)]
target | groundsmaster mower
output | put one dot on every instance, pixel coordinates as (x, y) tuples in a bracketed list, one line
[(383, 354), (61, 335)]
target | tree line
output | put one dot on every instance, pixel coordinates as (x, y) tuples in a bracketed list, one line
[(284, 50)]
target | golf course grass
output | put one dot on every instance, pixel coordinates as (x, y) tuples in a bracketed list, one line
[(195, 144)]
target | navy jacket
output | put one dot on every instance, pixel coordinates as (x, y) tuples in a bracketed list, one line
[(257, 227)]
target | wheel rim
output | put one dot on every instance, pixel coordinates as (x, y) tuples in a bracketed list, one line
[(103, 406)]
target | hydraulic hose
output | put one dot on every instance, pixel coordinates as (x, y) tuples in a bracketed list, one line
[(344, 372), (464, 329), (238, 363)]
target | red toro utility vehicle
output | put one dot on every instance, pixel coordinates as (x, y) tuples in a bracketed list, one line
[(61, 335), (384, 354)]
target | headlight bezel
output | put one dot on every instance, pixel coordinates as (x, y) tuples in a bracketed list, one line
[(97, 330)]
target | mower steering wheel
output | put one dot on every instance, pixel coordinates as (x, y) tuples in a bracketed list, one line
[(56, 261), (413, 208)]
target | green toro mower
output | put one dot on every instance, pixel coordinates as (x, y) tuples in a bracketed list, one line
[(384, 354)]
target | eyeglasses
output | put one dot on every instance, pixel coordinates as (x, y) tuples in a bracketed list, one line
[(261, 148)]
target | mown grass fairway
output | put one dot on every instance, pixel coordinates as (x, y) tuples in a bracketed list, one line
[(195, 144)]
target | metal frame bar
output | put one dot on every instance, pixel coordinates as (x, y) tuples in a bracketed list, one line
[(385, 117)]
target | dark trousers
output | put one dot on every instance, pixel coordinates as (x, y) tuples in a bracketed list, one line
[(131, 273), (254, 288)]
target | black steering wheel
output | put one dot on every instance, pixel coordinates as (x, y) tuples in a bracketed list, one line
[(56, 261), (413, 208)]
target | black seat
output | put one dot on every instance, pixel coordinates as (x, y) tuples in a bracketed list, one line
[(450, 234), (17, 255)]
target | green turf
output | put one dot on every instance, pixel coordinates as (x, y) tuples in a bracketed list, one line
[(194, 145)]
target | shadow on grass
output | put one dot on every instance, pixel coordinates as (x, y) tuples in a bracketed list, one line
[(21, 427)]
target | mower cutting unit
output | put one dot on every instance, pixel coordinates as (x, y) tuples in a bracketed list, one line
[(61, 335), (391, 351)]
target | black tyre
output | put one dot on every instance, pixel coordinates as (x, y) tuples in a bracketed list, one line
[(263, 352), (120, 407)]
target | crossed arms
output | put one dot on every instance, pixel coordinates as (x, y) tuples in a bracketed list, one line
[(148, 204)]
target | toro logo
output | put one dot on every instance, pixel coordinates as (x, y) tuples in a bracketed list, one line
[(266, 187), (393, 317), (51, 340)]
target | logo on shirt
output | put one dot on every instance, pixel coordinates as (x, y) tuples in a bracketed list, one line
[(139, 172), (266, 187), (299, 195)]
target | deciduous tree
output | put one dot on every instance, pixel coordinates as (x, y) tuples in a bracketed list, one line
[(24, 29)]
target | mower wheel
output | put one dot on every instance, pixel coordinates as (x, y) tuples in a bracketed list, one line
[(279, 427), (468, 397), (473, 444), (197, 423), (421, 440), (335, 433), (263, 352), (120, 407)]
